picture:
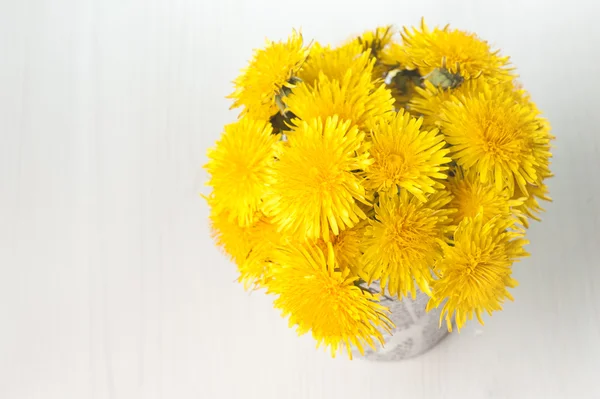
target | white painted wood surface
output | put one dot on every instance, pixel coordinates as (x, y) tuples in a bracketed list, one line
[(110, 286)]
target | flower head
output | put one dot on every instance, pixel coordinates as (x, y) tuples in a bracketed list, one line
[(239, 165), (470, 197), (335, 62), (429, 99), (476, 271), (431, 102), (255, 270), (232, 238), (495, 135), (354, 98), (405, 239), (347, 247), (270, 71), (541, 144), (322, 299), (454, 50), (529, 205), (406, 156), (317, 179), (376, 40), (250, 247)]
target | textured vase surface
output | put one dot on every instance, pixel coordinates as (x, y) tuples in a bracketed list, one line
[(416, 331)]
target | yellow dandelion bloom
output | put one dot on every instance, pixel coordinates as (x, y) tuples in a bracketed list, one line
[(239, 165), (234, 239), (320, 298), (428, 101), (354, 98), (347, 247), (335, 62), (476, 271), (529, 206), (394, 56), (541, 145), (456, 51), (492, 133), (406, 156), (271, 70), (470, 197), (250, 247), (376, 40), (255, 270), (316, 182), (404, 241)]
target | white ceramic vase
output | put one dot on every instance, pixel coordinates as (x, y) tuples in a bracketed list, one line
[(415, 333)]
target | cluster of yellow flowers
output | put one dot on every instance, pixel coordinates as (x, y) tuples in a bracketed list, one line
[(412, 159)]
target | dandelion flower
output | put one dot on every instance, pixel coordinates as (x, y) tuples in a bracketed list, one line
[(395, 56), (470, 197), (320, 298), (476, 272), (271, 70), (404, 241), (347, 247), (373, 43), (453, 50), (376, 40), (541, 145), (239, 165), (316, 180), (529, 206), (234, 239), (255, 270), (354, 98), (428, 102), (406, 156), (334, 63), (492, 133), (250, 247)]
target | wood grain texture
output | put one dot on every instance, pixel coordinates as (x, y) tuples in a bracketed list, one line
[(110, 286)]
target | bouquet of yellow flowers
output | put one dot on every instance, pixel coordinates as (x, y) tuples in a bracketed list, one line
[(411, 159)]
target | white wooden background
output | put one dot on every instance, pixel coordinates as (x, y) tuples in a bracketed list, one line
[(110, 286)]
